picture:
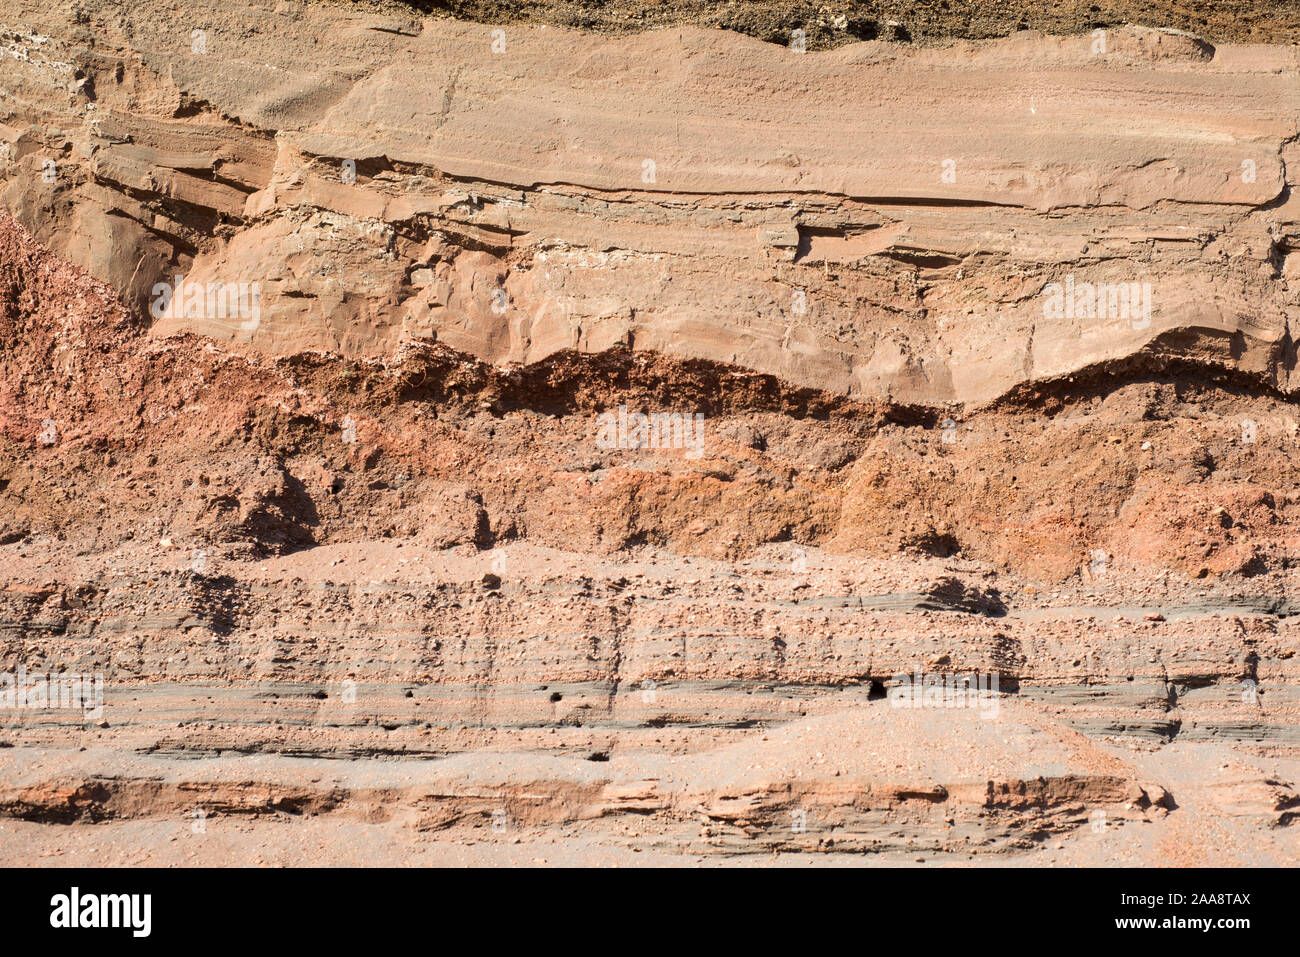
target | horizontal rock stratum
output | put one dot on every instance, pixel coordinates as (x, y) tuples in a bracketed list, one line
[(877, 220)]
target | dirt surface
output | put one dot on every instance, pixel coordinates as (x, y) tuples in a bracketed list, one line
[(837, 22)]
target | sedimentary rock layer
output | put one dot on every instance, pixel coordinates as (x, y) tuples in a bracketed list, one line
[(877, 220)]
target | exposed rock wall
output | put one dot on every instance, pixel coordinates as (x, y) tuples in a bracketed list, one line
[(878, 220), (381, 565)]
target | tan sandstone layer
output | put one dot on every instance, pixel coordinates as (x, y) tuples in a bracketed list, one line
[(877, 220)]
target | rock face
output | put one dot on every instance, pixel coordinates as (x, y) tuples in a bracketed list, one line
[(876, 221), (579, 448)]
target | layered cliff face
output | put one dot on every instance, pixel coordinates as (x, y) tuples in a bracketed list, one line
[(925, 225), (507, 443)]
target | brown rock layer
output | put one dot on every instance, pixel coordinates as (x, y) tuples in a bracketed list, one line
[(693, 193)]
